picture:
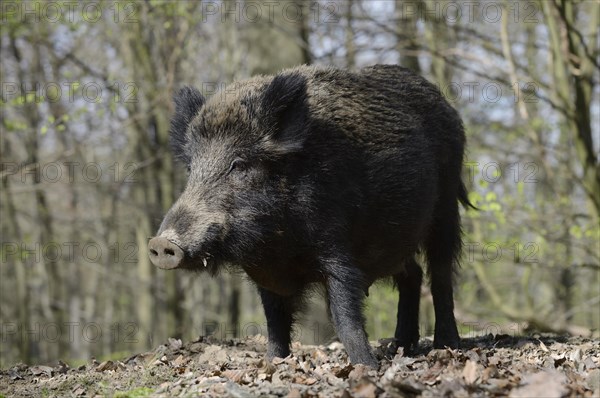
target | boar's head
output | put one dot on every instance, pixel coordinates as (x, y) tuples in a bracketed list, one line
[(239, 149)]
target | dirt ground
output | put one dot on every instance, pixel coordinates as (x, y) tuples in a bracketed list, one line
[(502, 365)]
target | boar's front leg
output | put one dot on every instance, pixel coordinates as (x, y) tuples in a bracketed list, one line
[(346, 292), (279, 311)]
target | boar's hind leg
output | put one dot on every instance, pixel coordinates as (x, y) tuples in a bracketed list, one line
[(346, 291), (443, 247), (409, 289), (279, 311)]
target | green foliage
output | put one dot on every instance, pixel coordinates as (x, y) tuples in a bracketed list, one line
[(381, 308)]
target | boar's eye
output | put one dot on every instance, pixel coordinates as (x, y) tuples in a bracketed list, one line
[(238, 164)]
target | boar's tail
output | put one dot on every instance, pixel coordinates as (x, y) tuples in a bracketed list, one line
[(463, 197)]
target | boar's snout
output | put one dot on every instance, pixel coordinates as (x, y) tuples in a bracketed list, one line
[(164, 253)]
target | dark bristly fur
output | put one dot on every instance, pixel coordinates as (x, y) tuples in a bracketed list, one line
[(324, 176)]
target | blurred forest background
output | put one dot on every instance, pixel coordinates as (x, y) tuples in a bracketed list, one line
[(87, 173)]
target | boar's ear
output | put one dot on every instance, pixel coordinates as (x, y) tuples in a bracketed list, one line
[(188, 102), (284, 106)]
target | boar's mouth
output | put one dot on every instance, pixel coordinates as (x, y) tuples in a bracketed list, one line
[(166, 254)]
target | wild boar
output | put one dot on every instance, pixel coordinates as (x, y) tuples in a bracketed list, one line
[(322, 176)]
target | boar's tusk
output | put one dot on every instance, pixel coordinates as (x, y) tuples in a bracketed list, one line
[(204, 262)]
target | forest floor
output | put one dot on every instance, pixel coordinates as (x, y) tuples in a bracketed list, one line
[(502, 365)]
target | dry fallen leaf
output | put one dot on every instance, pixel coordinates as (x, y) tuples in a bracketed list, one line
[(237, 376), (14, 375), (78, 390), (541, 384), (359, 371), (336, 345), (431, 376), (487, 367), (343, 372), (214, 354), (500, 384), (62, 367), (175, 343), (106, 365), (308, 381), (319, 355), (266, 367), (278, 361), (408, 386), (294, 393), (575, 356), (365, 388), (488, 373), (41, 370), (470, 372), (593, 379), (180, 360)]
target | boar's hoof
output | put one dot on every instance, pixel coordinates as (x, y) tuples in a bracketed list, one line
[(164, 253)]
